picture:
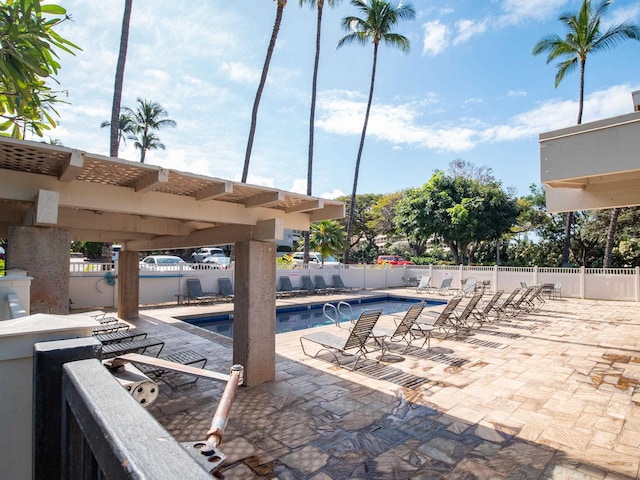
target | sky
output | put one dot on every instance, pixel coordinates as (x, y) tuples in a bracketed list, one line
[(469, 89)]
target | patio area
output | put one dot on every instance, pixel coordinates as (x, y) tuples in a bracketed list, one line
[(553, 394)]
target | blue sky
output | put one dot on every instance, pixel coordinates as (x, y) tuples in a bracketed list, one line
[(469, 89)]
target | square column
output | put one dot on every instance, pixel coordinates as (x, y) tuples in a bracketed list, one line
[(128, 284), (44, 253), (254, 320)]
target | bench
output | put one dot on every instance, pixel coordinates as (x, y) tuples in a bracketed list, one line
[(120, 336)]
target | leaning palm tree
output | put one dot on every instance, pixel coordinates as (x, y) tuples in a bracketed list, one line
[(583, 37), (379, 17), (263, 80), (327, 237), (116, 132), (319, 4), (146, 118)]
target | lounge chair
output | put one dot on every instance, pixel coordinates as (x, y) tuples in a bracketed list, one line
[(490, 309), (194, 292), (445, 286), (360, 342), (186, 357), (307, 285), (423, 286), (407, 329), (469, 316), (286, 288), (338, 284), (520, 304), (468, 288), (321, 285), (226, 289), (557, 290), (442, 320), (410, 283)]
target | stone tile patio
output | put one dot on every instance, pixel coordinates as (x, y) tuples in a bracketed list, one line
[(554, 394)]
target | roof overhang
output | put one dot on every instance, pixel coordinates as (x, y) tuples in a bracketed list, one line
[(143, 206), (593, 165)]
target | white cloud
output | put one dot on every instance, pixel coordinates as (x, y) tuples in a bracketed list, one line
[(468, 29), (240, 72), (516, 93), (436, 38), (333, 194), (519, 11), (299, 186)]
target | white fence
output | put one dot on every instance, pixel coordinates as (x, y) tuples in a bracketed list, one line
[(95, 285)]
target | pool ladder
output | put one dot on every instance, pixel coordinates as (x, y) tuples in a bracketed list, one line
[(336, 313)]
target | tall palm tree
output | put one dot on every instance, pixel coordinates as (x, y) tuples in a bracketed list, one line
[(116, 132), (146, 118), (378, 18), (263, 79), (583, 37), (327, 237), (319, 4)]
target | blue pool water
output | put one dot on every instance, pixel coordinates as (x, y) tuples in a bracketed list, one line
[(301, 317)]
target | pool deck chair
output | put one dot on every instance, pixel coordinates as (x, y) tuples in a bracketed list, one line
[(502, 309), (307, 285), (489, 309), (226, 289), (423, 285), (445, 320), (360, 342), (469, 315), (339, 284), (286, 288), (445, 287), (468, 288), (407, 328), (321, 285), (195, 294)]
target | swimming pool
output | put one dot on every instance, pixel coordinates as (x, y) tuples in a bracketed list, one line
[(300, 317)]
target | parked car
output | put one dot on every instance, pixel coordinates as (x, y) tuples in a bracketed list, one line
[(204, 252), (315, 259), (216, 261), (162, 262), (392, 260)]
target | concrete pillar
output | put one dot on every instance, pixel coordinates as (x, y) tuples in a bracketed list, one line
[(44, 253), (128, 282), (254, 320)]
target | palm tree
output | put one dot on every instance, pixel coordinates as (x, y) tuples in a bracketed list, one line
[(319, 4), (263, 80), (147, 117), (125, 127), (327, 237), (116, 131), (582, 38), (379, 17)]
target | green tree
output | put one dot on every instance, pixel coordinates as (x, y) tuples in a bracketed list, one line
[(362, 216), (146, 118), (378, 18), (28, 59), (319, 4), (327, 237), (116, 128), (263, 79), (583, 37), (460, 210), (125, 127)]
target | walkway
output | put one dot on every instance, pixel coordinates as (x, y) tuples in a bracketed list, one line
[(552, 395)]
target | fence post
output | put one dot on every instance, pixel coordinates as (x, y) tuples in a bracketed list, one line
[(495, 278), (582, 281), (637, 278), (460, 273), (431, 270)]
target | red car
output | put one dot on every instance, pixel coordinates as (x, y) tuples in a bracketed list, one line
[(393, 260)]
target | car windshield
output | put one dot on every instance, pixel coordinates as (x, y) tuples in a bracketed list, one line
[(168, 261)]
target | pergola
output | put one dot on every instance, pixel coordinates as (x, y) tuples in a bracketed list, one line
[(51, 195)]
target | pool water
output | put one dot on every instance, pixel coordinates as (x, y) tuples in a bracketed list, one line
[(300, 317)]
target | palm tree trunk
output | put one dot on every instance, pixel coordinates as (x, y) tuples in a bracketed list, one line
[(114, 145), (312, 115), (263, 80), (360, 148), (613, 225), (567, 228)]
